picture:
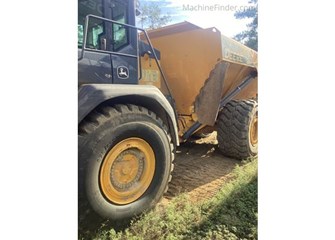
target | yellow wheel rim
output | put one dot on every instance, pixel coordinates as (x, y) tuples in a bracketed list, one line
[(127, 171), (253, 133)]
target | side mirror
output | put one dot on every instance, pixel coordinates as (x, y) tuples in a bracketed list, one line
[(138, 12), (137, 8)]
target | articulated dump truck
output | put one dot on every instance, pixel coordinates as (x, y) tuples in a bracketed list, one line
[(141, 94)]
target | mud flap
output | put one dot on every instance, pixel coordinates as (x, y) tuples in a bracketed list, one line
[(208, 100)]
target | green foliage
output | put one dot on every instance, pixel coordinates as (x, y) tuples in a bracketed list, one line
[(237, 215), (152, 16), (230, 215), (250, 36)]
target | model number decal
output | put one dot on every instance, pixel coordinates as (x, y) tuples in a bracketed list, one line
[(234, 57), (151, 76)]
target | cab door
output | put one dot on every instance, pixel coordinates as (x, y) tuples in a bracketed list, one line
[(124, 43), (111, 53), (93, 66)]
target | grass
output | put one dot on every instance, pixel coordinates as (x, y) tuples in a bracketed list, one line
[(231, 214)]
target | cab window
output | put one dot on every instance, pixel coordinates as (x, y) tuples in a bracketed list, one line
[(120, 33), (96, 27)]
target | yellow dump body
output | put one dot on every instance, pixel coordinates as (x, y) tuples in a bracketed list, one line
[(191, 58)]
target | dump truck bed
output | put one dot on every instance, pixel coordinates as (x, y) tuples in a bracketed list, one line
[(201, 67)]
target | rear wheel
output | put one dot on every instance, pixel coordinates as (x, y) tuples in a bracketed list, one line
[(238, 129), (127, 158)]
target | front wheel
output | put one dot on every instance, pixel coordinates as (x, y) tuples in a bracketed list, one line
[(128, 155)]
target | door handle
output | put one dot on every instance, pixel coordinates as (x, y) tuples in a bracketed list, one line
[(103, 44)]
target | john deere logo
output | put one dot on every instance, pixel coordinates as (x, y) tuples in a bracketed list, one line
[(123, 72)]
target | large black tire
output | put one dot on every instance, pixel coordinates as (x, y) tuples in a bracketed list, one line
[(237, 129), (103, 131)]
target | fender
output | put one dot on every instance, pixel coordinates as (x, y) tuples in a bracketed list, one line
[(92, 95)]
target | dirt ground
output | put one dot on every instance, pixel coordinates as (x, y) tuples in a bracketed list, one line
[(200, 171)]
